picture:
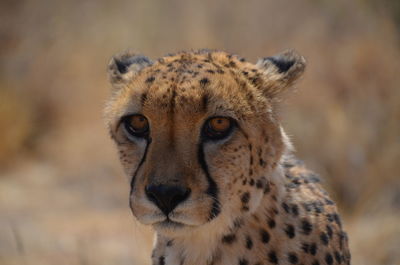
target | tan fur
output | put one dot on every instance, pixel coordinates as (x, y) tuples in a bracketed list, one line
[(272, 209)]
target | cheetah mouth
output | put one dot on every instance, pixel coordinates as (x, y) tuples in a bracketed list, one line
[(168, 224)]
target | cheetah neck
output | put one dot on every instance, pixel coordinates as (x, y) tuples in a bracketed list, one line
[(203, 246)]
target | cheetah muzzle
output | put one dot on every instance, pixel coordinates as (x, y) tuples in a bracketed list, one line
[(210, 167)]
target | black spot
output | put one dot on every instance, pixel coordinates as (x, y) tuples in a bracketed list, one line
[(313, 178), (329, 231), (281, 63), (316, 262), (161, 260), (259, 184), (338, 257), (220, 71), (229, 239), (306, 227), (271, 223), (150, 79), (324, 238), (337, 219), (296, 181), (243, 262), (290, 231), (285, 207), (328, 259), (245, 197), (305, 247), (292, 258), (251, 182), (313, 249), (329, 202), (295, 209), (204, 81), (318, 206), (249, 242), (308, 206), (267, 188), (210, 71), (272, 257), (330, 217), (170, 243), (264, 236), (342, 238)]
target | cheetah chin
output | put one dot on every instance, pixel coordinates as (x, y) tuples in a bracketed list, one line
[(209, 165)]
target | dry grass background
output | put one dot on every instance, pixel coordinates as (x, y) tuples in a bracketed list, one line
[(63, 197)]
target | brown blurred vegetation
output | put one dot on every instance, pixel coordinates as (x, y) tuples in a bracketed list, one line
[(63, 197)]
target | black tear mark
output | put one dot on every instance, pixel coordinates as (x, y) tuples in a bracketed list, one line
[(148, 142), (212, 189)]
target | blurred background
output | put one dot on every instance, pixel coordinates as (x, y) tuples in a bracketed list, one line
[(63, 196)]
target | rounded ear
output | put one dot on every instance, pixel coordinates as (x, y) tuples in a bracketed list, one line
[(281, 71), (124, 66)]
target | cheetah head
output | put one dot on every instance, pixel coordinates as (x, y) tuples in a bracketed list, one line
[(197, 134)]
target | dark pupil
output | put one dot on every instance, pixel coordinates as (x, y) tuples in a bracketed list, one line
[(140, 124)]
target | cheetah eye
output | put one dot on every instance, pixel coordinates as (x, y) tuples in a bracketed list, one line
[(217, 128), (136, 125)]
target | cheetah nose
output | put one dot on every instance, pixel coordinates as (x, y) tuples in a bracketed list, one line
[(166, 197)]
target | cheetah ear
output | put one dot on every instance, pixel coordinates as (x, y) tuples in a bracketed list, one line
[(281, 71), (124, 66)]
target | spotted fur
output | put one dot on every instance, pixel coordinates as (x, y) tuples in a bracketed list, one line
[(251, 201)]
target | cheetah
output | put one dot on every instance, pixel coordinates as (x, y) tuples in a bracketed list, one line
[(211, 170)]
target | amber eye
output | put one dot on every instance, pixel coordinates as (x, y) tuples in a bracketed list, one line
[(136, 125), (217, 128)]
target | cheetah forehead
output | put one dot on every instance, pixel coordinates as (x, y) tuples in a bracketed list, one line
[(196, 82)]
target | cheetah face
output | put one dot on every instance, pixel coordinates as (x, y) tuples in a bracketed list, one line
[(197, 134)]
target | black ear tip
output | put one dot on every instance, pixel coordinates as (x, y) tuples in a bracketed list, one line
[(287, 62), (283, 64), (122, 66), (124, 61)]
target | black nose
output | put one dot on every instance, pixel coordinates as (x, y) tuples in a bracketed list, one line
[(166, 197)]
